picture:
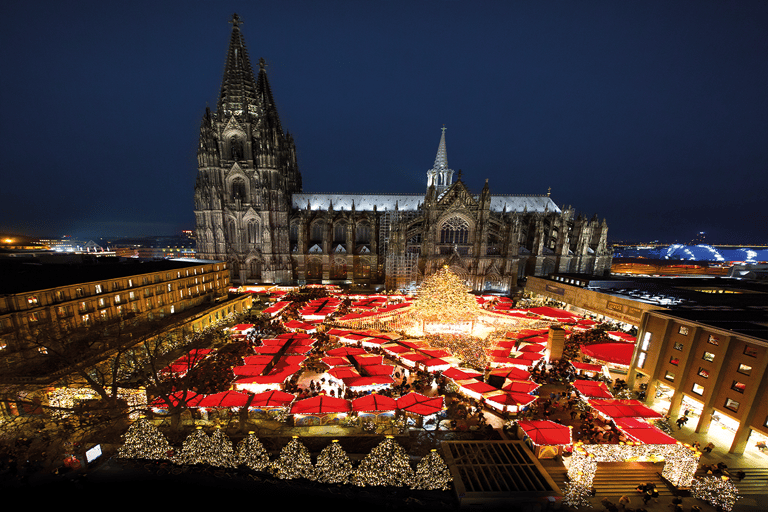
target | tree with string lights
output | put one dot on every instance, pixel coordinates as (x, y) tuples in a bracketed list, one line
[(386, 465), (294, 462), (443, 296), (251, 453), (221, 453), (333, 465), (144, 441), (719, 492), (196, 449), (432, 473), (576, 495)]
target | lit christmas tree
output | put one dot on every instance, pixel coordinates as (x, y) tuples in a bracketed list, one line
[(443, 297), (432, 473), (333, 465), (721, 492), (196, 449), (144, 441), (576, 495), (387, 464), (251, 453), (221, 453), (294, 462)]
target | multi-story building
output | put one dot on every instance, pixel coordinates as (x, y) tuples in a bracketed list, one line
[(67, 297), (251, 211)]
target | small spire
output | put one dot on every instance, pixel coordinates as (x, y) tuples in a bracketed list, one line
[(549, 191), (236, 21)]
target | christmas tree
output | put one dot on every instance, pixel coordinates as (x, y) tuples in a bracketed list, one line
[(387, 464), (333, 465), (432, 473), (294, 462), (251, 453), (721, 493), (144, 441), (196, 449), (576, 495), (222, 453), (443, 297)]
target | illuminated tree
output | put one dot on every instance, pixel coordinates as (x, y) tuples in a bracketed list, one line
[(251, 453), (144, 441), (386, 465), (576, 495), (294, 462), (443, 296), (718, 492), (333, 465), (432, 473), (221, 453), (196, 449)]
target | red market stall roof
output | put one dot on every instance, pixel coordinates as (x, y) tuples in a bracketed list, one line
[(512, 361), (242, 327), (461, 373), (379, 370), (592, 389), (545, 432), (530, 356), (587, 367), (621, 336), (507, 399), (520, 386), (532, 347), (478, 387), (617, 353), (272, 399), (192, 399), (511, 373), (346, 351), (420, 404), (615, 408), (296, 324), (225, 399), (372, 380), (553, 313), (320, 404), (643, 431), (374, 403), (277, 307)]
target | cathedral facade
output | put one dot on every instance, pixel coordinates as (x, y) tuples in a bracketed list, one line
[(251, 212)]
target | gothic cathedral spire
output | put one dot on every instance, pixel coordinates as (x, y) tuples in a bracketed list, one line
[(440, 175)]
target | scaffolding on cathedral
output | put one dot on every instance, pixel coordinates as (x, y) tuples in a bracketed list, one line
[(402, 272)]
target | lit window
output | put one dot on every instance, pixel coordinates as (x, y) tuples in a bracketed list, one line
[(738, 386), (683, 330), (641, 360), (750, 351), (117, 299), (97, 287), (646, 341), (745, 369), (675, 361), (678, 346), (709, 356), (703, 373), (698, 389), (713, 340), (32, 300), (669, 376), (731, 404)]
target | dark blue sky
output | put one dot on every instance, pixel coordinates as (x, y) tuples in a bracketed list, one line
[(652, 114)]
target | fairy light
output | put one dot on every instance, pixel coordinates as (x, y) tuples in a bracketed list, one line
[(386, 465), (333, 465), (294, 462), (144, 441), (721, 493), (196, 448), (432, 473), (221, 454), (252, 454)]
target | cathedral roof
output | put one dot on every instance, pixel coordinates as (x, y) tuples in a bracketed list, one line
[(411, 202), (238, 87)]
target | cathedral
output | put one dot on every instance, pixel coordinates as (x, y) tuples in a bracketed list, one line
[(251, 211)]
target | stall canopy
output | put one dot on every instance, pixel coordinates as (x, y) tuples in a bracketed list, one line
[(587, 367), (617, 353), (320, 404), (504, 399), (520, 386), (272, 399), (592, 389), (545, 432), (374, 403), (191, 399), (225, 399), (461, 373), (616, 408), (420, 404), (511, 373), (643, 431)]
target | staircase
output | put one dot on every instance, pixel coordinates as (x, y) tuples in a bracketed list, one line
[(617, 478), (755, 481)]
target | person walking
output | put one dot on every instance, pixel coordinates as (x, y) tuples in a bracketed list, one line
[(709, 447)]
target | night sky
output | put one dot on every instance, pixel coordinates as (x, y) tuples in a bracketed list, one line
[(651, 114)]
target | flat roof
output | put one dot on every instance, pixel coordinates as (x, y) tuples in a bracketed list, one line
[(27, 275)]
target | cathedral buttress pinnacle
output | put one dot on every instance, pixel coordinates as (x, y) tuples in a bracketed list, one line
[(238, 87), (440, 175)]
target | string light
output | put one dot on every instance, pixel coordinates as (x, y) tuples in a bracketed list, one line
[(386, 465), (221, 454), (252, 454), (721, 493), (294, 462), (196, 448), (432, 473), (333, 465), (144, 441)]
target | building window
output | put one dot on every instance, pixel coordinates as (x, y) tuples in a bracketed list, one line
[(713, 340), (454, 231), (683, 330), (117, 299), (670, 376), (641, 360), (709, 356), (703, 373), (750, 351), (97, 287), (738, 386), (32, 300), (731, 404), (646, 341), (698, 389), (678, 346), (745, 369), (675, 361)]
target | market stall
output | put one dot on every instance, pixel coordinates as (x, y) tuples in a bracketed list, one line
[(547, 438)]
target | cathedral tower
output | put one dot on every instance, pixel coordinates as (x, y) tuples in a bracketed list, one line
[(247, 174)]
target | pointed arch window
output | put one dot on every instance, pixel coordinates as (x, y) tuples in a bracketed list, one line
[(340, 232), (454, 231), (239, 190), (363, 234), (253, 232), (316, 232)]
